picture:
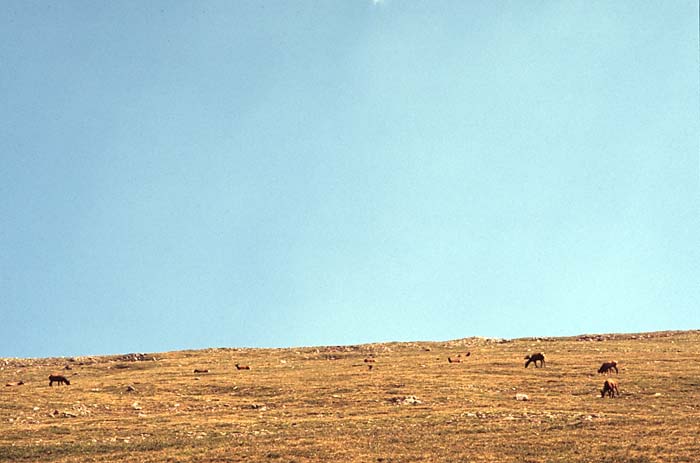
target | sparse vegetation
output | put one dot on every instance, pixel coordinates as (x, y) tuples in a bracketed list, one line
[(309, 405)]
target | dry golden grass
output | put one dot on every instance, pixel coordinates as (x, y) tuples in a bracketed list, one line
[(309, 404)]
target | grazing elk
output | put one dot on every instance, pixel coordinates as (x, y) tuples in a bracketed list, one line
[(60, 379), (242, 367), (610, 387), (607, 367), (370, 360), (534, 358)]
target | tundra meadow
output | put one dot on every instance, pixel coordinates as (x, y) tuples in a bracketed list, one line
[(388, 402)]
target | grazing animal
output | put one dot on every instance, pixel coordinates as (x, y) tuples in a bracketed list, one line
[(610, 387), (534, 358), (607, 367), (242, 367), (18, 383), (201, 371), (370, 360), (369, 367), (60, 379), (451, 360)]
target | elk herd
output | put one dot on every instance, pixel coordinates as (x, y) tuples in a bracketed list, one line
[(610, 386)]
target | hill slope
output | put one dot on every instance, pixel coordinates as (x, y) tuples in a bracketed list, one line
[(325, 404)]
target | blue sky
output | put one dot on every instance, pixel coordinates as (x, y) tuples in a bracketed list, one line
[(201, 174)]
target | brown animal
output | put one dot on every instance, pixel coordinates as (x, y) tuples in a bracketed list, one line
[(370, 360), (201, 371), (369, 367), (607, 367), (610, 387), (60, 379), (242, 367), (451, 360), (18, 383), (534, 358)]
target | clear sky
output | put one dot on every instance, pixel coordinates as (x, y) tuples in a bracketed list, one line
[(189, 174)]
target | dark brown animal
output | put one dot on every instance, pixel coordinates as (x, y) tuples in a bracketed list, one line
[(201, 371), (607, 367), (370, 360), (534, 358), (60, 379), (610, 387), (451, 360), (242, 367)]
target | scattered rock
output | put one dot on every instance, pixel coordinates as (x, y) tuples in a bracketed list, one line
[(408, 400), (598, 338), (57, 414), (522, 397), (130, 388), (85, 360), (136, 406), (135, 358), (79, 410)]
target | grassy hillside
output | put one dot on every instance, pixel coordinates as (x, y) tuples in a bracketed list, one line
[(324, 404)]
